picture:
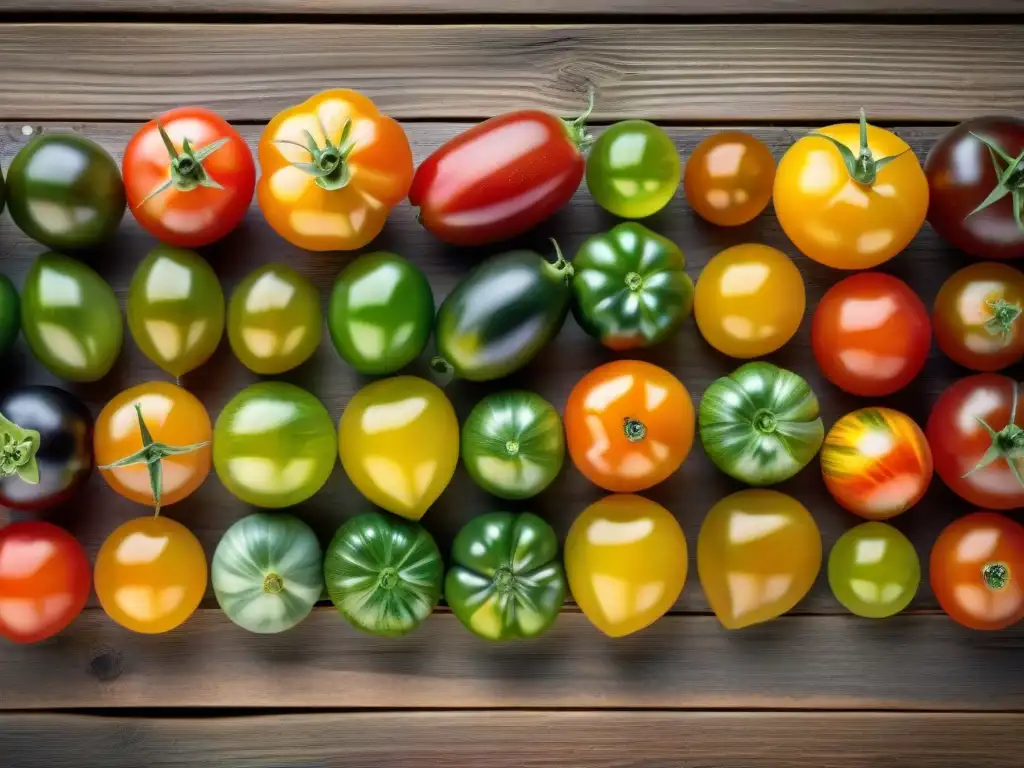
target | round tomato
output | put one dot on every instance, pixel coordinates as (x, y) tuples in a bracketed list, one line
[(44, 581), (749, 300), (976, 316), (977, 439), (629, 425), (874, 571), (633, 169), (849, 196), (871, 334), (150, 574), (977, 571), (152, 443), (189, 177), (728, 178)]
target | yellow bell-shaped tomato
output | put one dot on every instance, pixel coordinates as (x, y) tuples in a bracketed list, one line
[(399, 444), (625, 558)]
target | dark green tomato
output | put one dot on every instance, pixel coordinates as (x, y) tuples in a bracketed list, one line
[(633, 169), (501, 314), (10, 314), (506, 581), (874, 571), (71, 318), (381, 313), (760, 424), (384, 574), (513, 444), (630, 287), (65, 191)]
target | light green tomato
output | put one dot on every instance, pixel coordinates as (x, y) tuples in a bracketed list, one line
[(874, 571), (633, 169)]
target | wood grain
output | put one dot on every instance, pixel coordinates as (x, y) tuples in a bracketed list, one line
[(696, 73)]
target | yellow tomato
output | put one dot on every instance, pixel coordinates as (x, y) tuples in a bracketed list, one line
[(150, 574), (749, 300), (626, 561), (850, 217), (399, 444), (758, 554)]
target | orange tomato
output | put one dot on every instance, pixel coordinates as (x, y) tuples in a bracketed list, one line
[(728, 178), (629, 425)]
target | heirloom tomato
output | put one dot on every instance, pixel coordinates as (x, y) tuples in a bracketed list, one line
[(629, 425), (44, 581), (976, 177), (876, 462), (189, 177), (977, 570), (749, 300), (10, 312), (626, 561), (728, 178), (871, 334), (633, 169), (333, 168), (851, 197), (150, 574), (977, 316), (977, 439), (874, 571), (399, 444), (152, 443)]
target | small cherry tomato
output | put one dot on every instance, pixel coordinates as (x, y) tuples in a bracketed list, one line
[(871, 334), (629, 425), (874, 571), (977, 571), (728, 178), (633, 169)]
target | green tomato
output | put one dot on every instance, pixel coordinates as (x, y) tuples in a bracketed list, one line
[(506, 581), (384, 574), (633, 169), (3, 192), (268, 572), (874, 571), (175, 309), (65, 191), (10, 312), (274, 320), (71, 318), (381, 313), (274, 445), (760, 424), (630, 287), (513, 444)]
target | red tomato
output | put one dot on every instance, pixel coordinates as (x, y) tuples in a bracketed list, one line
[(44, 581), (501, 177), (977, 571), (871, 334), (197, 193), (977, 442)]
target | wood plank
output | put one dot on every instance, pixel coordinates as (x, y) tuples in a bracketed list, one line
[(535, 739), (699, 73)]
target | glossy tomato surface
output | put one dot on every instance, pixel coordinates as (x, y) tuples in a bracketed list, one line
[(871, 334), (629, 425), (728, 178), (874, 571), (633, 169)]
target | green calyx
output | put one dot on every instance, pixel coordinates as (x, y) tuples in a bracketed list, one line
[(765, 421), (1004, 315), (996, 575), (1010, 175), (388, 579), (273, 584), (577, 129), (18, 449), (328, 163), (862, 167), (512, 447), (186, 172), (634, 430), (634, 282), (504, 580), (560, 266), (1007, 443)]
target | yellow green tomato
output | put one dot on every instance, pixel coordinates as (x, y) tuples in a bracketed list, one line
[(633, 169), (874, 570)]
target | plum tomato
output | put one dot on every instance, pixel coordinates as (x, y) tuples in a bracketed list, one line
[(728, 179), (874, 571), (633, 169)]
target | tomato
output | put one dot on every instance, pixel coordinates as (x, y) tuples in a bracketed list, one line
[(626, 561), (500, 178), (876, 462), (10, 309), (871, 334), (977, 571), (274, 320), (44, 581), (189, 177), (333, 168), (758, 554), (633, 169), (977, 439), (977, 187), (728, 178), (749, 300), (629, 425), (399, 444), (150, 574), (874, 571), (152, 443), (976, 316), (849, 196)]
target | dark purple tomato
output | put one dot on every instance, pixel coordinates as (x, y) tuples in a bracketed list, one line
[(968, 167)]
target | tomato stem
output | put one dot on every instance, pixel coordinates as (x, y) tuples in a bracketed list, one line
[(1007, 443), (18, 449), (996, 575), (504, 580), (186, 170), (1004, 315), (1010, 180), (388, 578), (765, 421), (633, 429), (329, 162), (273, 584), (634, 282), (862, 167), (577, 129), (560, 266), (443, 371), (512, 447)]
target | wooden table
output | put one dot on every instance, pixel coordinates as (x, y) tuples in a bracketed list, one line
[(815, 688)]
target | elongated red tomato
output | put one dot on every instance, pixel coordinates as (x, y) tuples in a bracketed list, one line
[(501, 177)]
